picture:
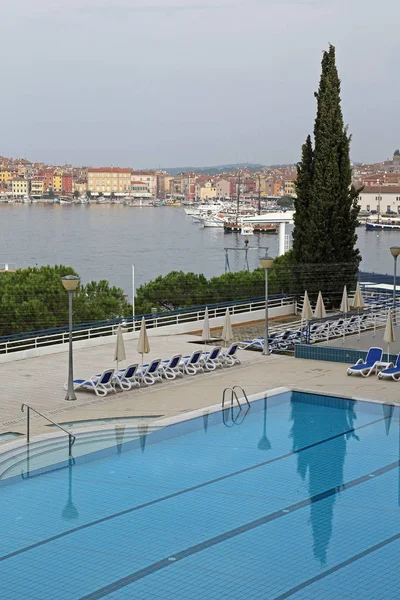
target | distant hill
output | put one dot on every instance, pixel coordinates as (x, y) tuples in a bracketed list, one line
[(216, 170)]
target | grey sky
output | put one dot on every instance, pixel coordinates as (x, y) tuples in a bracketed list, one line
[(150, 83)]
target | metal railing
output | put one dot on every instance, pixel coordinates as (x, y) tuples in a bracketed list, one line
[(229, 418), (71, 437), (234, 396), (38, 339)]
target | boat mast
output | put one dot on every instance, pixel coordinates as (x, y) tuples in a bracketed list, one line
[(238, 198), (259, 194), (379, 201)]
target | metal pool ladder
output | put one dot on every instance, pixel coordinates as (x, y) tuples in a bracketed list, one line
[(71, 437), (234, 396)]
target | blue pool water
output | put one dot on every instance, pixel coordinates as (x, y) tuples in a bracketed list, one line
[(297, 498)]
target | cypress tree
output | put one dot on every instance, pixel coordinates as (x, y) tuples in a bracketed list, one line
[(302, 202), (325, 229)]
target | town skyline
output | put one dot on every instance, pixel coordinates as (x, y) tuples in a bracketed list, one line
[(22, 180)]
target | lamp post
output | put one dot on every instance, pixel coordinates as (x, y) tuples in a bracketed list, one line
[(395, 251), (70, 283), (265, 263)]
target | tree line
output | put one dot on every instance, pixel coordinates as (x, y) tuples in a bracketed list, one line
[(34, 298)]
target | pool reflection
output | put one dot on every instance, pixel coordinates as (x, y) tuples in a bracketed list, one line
[(323, 464), (70, 511), (264, 443)]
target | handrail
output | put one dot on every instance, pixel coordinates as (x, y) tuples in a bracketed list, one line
[(239, 387), (71, 436), (234, 396)]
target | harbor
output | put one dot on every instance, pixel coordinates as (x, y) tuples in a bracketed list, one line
[(103, 241)]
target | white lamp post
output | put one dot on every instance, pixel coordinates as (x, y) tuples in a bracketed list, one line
[(70, 283), (395, 251), (265, 263)]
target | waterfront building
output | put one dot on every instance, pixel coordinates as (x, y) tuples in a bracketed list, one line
[(57, 182), (7, 174), (223, 188), (149, 178), (380, 199), (164, 184), (278, 188), (109, 180), (37, 186), (80, 186), (266, 185), (207, 190), (140, 189), (47, 174), (19, 187), (289, 187), (66, 183)]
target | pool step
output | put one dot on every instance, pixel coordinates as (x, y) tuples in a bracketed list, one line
[(44, 453)]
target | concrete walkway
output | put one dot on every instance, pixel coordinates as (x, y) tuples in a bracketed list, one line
[(39, 382)]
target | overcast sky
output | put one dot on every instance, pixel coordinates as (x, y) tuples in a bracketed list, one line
[(150, 83)]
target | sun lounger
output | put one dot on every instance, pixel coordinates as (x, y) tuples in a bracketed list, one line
[(211, 360), (150, 373), (99, 384), (191, 364), (229, 358), (257, 343), (170, 368), (126, 379), (370, 365), (391, 372)]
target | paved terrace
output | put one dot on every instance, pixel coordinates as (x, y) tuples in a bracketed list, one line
[(39, 382), (368, 339)]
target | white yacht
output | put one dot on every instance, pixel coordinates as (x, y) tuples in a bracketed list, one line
[(211, 221), (205, 207)]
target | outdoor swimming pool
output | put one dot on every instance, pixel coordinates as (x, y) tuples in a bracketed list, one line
[(297, 498)]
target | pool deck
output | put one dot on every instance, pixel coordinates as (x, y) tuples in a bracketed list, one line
[(39, 382)]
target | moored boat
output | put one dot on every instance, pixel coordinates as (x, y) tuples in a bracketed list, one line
[(257, 227), (383, 225)]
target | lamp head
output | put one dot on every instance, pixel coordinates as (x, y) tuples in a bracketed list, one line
[(395, 251), (70, 282), (266, 261)]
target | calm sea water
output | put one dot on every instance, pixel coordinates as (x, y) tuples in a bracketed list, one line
[(103, 241)]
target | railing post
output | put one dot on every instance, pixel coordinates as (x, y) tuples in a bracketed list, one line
[(28, 436)]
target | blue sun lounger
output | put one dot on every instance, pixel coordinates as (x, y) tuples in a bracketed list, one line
[(370, 365), (170, 368), (229, 358), (126, 378), (211, 360), (192, 364), (99, 384), (391, 372), (150, 373)]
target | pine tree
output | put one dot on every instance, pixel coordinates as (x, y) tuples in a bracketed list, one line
[(325, 229)]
